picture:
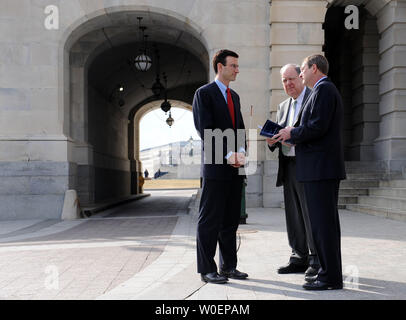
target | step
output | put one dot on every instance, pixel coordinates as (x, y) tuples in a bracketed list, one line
[(353, 192), (383, 202), (359, 184), (388, 192), (401, 183), (380, 212), (344, 200), (366, 176), (366, 166)]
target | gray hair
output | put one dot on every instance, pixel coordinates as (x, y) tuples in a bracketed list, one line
[(294, 65)]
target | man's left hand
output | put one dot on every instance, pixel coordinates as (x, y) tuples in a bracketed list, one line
[(283, 135)]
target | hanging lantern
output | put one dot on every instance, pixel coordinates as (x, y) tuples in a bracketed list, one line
[(143, 62), (157, 87), (166, 106), (170, 120)]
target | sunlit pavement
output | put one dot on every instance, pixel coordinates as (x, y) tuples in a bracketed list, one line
[(146, 250)]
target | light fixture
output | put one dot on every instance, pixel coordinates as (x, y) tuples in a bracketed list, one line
[(170, 120), (166, 105), (157, 86), (117, 95), (143, 62)]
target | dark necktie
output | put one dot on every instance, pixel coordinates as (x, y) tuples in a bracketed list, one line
[(230, 105)]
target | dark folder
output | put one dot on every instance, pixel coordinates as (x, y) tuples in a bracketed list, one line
[(270, 128)]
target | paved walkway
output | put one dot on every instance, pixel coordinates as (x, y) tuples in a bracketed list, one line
[(123, 253)]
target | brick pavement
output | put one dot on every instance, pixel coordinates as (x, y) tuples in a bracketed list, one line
[(124, 254), (51, 259)]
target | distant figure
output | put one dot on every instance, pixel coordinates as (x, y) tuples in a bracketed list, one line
[(157, 174), (140, 182), (146, 173)]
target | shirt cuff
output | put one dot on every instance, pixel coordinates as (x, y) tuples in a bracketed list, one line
[(228, 155), (241, 150)]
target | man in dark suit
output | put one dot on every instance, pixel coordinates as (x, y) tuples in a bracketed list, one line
[(297, 218), (320, 166), (216, 111)]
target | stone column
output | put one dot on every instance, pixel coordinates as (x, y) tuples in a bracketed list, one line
[(133, 153), (290, 42), (34, 166), (365, 98), (82, 153), (390, 146)]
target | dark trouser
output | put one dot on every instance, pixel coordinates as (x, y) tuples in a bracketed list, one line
[(322, 200), (219, 217), (297, 218)]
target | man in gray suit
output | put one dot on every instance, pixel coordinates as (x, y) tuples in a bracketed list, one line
[(297, 217)]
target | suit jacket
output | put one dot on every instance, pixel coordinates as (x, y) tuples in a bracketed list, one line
[(210, 111), (318, 135), (282, 119)]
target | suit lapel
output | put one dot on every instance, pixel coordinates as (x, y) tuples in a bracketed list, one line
[(306, 97), (284, 118)]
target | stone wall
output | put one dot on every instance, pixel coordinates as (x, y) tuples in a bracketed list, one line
[(44, 121)]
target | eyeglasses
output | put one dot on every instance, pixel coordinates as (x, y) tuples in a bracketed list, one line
[(234, 66)]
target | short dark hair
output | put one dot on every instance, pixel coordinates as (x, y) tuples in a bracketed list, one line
[(221, 56), (319, 60)]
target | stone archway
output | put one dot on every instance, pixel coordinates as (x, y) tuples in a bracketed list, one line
[(381, 130), (354, 57), (143, 110), (107, 169), (134, 134)]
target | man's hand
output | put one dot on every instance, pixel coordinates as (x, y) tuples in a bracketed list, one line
[(283, 135), (237, 159), (271, 141), (241, 158)]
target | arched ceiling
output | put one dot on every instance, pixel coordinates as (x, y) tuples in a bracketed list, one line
[(107, 45), (115, 67)]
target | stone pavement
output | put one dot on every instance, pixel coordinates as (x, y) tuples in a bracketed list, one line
[(124, 254)]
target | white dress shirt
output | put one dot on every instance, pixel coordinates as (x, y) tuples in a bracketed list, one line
[(290, 152)]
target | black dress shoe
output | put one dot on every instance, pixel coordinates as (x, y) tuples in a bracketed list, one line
[(311, 271), (213, 277), (310, 278), (234, 274), (320, 285), (292, 268)]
